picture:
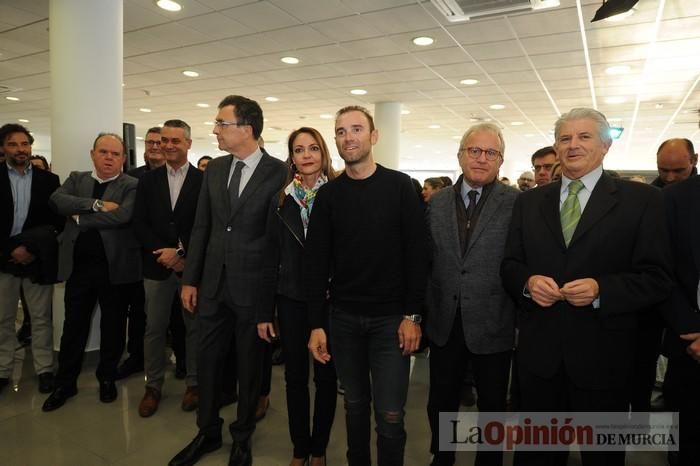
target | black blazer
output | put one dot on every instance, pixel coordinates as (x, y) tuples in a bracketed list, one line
[(621, 241), (156, 224), (291, 250), (39, 231), (240, 237), (681, 310)]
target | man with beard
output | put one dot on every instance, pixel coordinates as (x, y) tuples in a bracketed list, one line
[(368, 236)]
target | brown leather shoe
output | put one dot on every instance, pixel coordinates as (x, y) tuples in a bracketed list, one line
[(261, 410), (191, 399), (149, 402)]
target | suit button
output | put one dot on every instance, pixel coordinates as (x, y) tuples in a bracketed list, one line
[(228, 228)]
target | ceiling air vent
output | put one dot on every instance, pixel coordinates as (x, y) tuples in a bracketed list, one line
[(7, 89), (464, 10)]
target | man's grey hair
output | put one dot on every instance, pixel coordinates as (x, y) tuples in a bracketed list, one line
[(179, 124), (484, 127), (581, 113), (112, 135)]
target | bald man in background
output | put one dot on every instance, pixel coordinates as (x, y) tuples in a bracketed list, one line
[(676, 160)]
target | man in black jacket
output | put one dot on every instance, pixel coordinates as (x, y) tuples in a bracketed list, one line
[(28, 252), (166, 201)]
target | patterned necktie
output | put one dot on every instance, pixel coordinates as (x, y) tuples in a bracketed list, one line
[(235, 183), (571, 211)]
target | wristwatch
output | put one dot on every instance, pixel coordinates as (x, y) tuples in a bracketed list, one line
[(98, 205), (415, 318), (180, 251)]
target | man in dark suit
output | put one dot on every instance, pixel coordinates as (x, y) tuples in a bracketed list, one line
[(28, 252), (682, 314), (136, 315), (166, 201), (99, 258), (470, 316), (230, 274), (583, 256)]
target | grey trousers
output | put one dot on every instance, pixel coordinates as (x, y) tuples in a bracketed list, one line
[(39, 302), (159, 301)]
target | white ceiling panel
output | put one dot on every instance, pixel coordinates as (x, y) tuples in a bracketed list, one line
[(310, 11), (261, 16)]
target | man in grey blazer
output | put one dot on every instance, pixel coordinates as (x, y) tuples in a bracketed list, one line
[(230, 274), (98, 258), (470, 317)]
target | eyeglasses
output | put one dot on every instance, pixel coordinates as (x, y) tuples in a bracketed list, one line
[(224, 123), (475, 153), (152, 143)]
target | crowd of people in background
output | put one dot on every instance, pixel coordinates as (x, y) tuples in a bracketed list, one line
[(556, 295)]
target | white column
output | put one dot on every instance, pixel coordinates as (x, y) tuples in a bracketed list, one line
[(387, 119), (86, 61)]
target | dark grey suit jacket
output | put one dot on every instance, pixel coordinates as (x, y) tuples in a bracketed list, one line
[(241, 238), (121, 247), (472, 281)]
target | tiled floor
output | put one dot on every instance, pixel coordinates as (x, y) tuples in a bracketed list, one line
[(86, 432)]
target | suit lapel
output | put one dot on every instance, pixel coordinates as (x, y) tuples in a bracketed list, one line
[(550, 212), (695, 220), (7, 197), (162, 188), (602, 200), (187, 186), (87, 183), (493, 203), (258, 177)]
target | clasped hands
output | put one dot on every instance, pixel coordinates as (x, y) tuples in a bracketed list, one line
[(545, 291), (168, 258)]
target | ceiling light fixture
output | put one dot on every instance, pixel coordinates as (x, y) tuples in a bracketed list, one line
[(659, 106), (517, 123), (469, 82), (203, 105), (23, 120), (615, 100), (358, 92), (139, 138), (289, 60), (190, 73), (405, 112), (272, 99), (497, 107), (145, 110), (13, 99), (621, 16), (169, 5), (325, 116), (423, 41), (618, 69), (209, 123), (434, 126)]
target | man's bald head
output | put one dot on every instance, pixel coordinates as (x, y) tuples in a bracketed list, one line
[(675, 160)]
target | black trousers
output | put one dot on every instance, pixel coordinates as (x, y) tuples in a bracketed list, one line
[(448, 365), (650, 330), (220, 322), (308, 439), (136, 319), (88, 285), (559, 394), (682, 394)]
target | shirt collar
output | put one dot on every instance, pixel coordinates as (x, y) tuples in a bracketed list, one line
[(100, 180), (466, 187), (589, 180), (252, 159), (27, 170), (181, 171)]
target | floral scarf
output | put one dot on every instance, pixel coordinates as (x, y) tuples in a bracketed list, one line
[(304, 196)]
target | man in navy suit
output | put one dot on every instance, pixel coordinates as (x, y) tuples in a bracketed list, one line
[(583, 256)]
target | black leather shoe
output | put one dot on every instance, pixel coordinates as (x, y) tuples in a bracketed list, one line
[(195, 450), (58, 398), (46, 382), (4, 382), (108, 391), (130, 366), (240, 454)]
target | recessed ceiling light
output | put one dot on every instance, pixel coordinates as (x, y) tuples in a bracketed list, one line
[(264, 120), (497, 107), (418, 146), (469, 82), (190, 73), (358, 92), (434, 126), (13, 99), (215, 143), (123, 85), (517, 123), (203, 105), (212, 135), (325, 116), (289, 60), (456, 137), (169, 5), (140, 138), (659, 106), (405, 112), (209, 123), (272, 99), (145, 110), (529, 135), (618, 69), (615, 100), (160, 125), (622, 16), (23, 120), (423, 41)]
